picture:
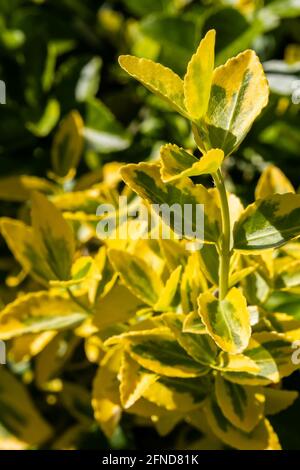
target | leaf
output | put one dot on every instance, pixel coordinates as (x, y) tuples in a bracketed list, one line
[(177, 394), (262, 437), (67, 144), (200, 347), (278, 400), (167, 299), (134, 381), (236, 363), (198, 78), (177, 163), (137, 275), (161, 354), (192, 284), (18, 188), (272, 181), (54, 234), (105, 395), (234, 102), (145, 180), (268, 369), (27, 249), (192, 323), (18, 412), (102, 132), (118, 306), (159, 79), (227, 321), (243, 406), (268, 223), (280, 348), (39, 311), (43, 125)]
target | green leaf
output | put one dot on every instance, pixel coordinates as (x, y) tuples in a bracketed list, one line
[(177, 394), (27, 249), (267, 368), (137, 275), (134, 381), (39, 311), (177, 163), (198, 78), (67, 144), (159, 79), (54, 234), (199, 347), (234, 102), (161, 354), (167, 299), (102, 132), (262, 437), (145, 180), (243, 406), (268, 223), (227, 321)]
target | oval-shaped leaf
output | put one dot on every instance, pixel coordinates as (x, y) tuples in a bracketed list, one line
[(159, 79), (198, 78), (268, 223), (227, 321)]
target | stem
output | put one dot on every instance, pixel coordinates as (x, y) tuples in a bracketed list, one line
[(224, 246)]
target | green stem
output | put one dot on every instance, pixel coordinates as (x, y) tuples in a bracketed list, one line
[(224, 245)]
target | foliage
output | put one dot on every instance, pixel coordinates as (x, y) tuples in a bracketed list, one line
[(108, 337)]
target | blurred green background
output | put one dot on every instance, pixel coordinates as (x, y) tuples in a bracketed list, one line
[(58, 55), (61, 55)]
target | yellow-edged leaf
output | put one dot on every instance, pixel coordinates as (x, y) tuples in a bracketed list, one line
[(262, 437), (177, 163), (278, 400), (67, 144), (227, 320), (134, 381), (39, 311), (198, 78), (159, 79), (54, 234), (243, 406), (234, 101), (137, 275)]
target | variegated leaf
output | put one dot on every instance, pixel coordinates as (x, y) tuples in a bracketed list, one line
[(159, 79), (198, 78), (234, 102), (39, 311), (227, 320), (177, 163), (145, 180), (268, 223), (54, 234), (242, 405), (199, 347), (161, 354), (134, 381), (262, 437), (67, 144), (137, 275)]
